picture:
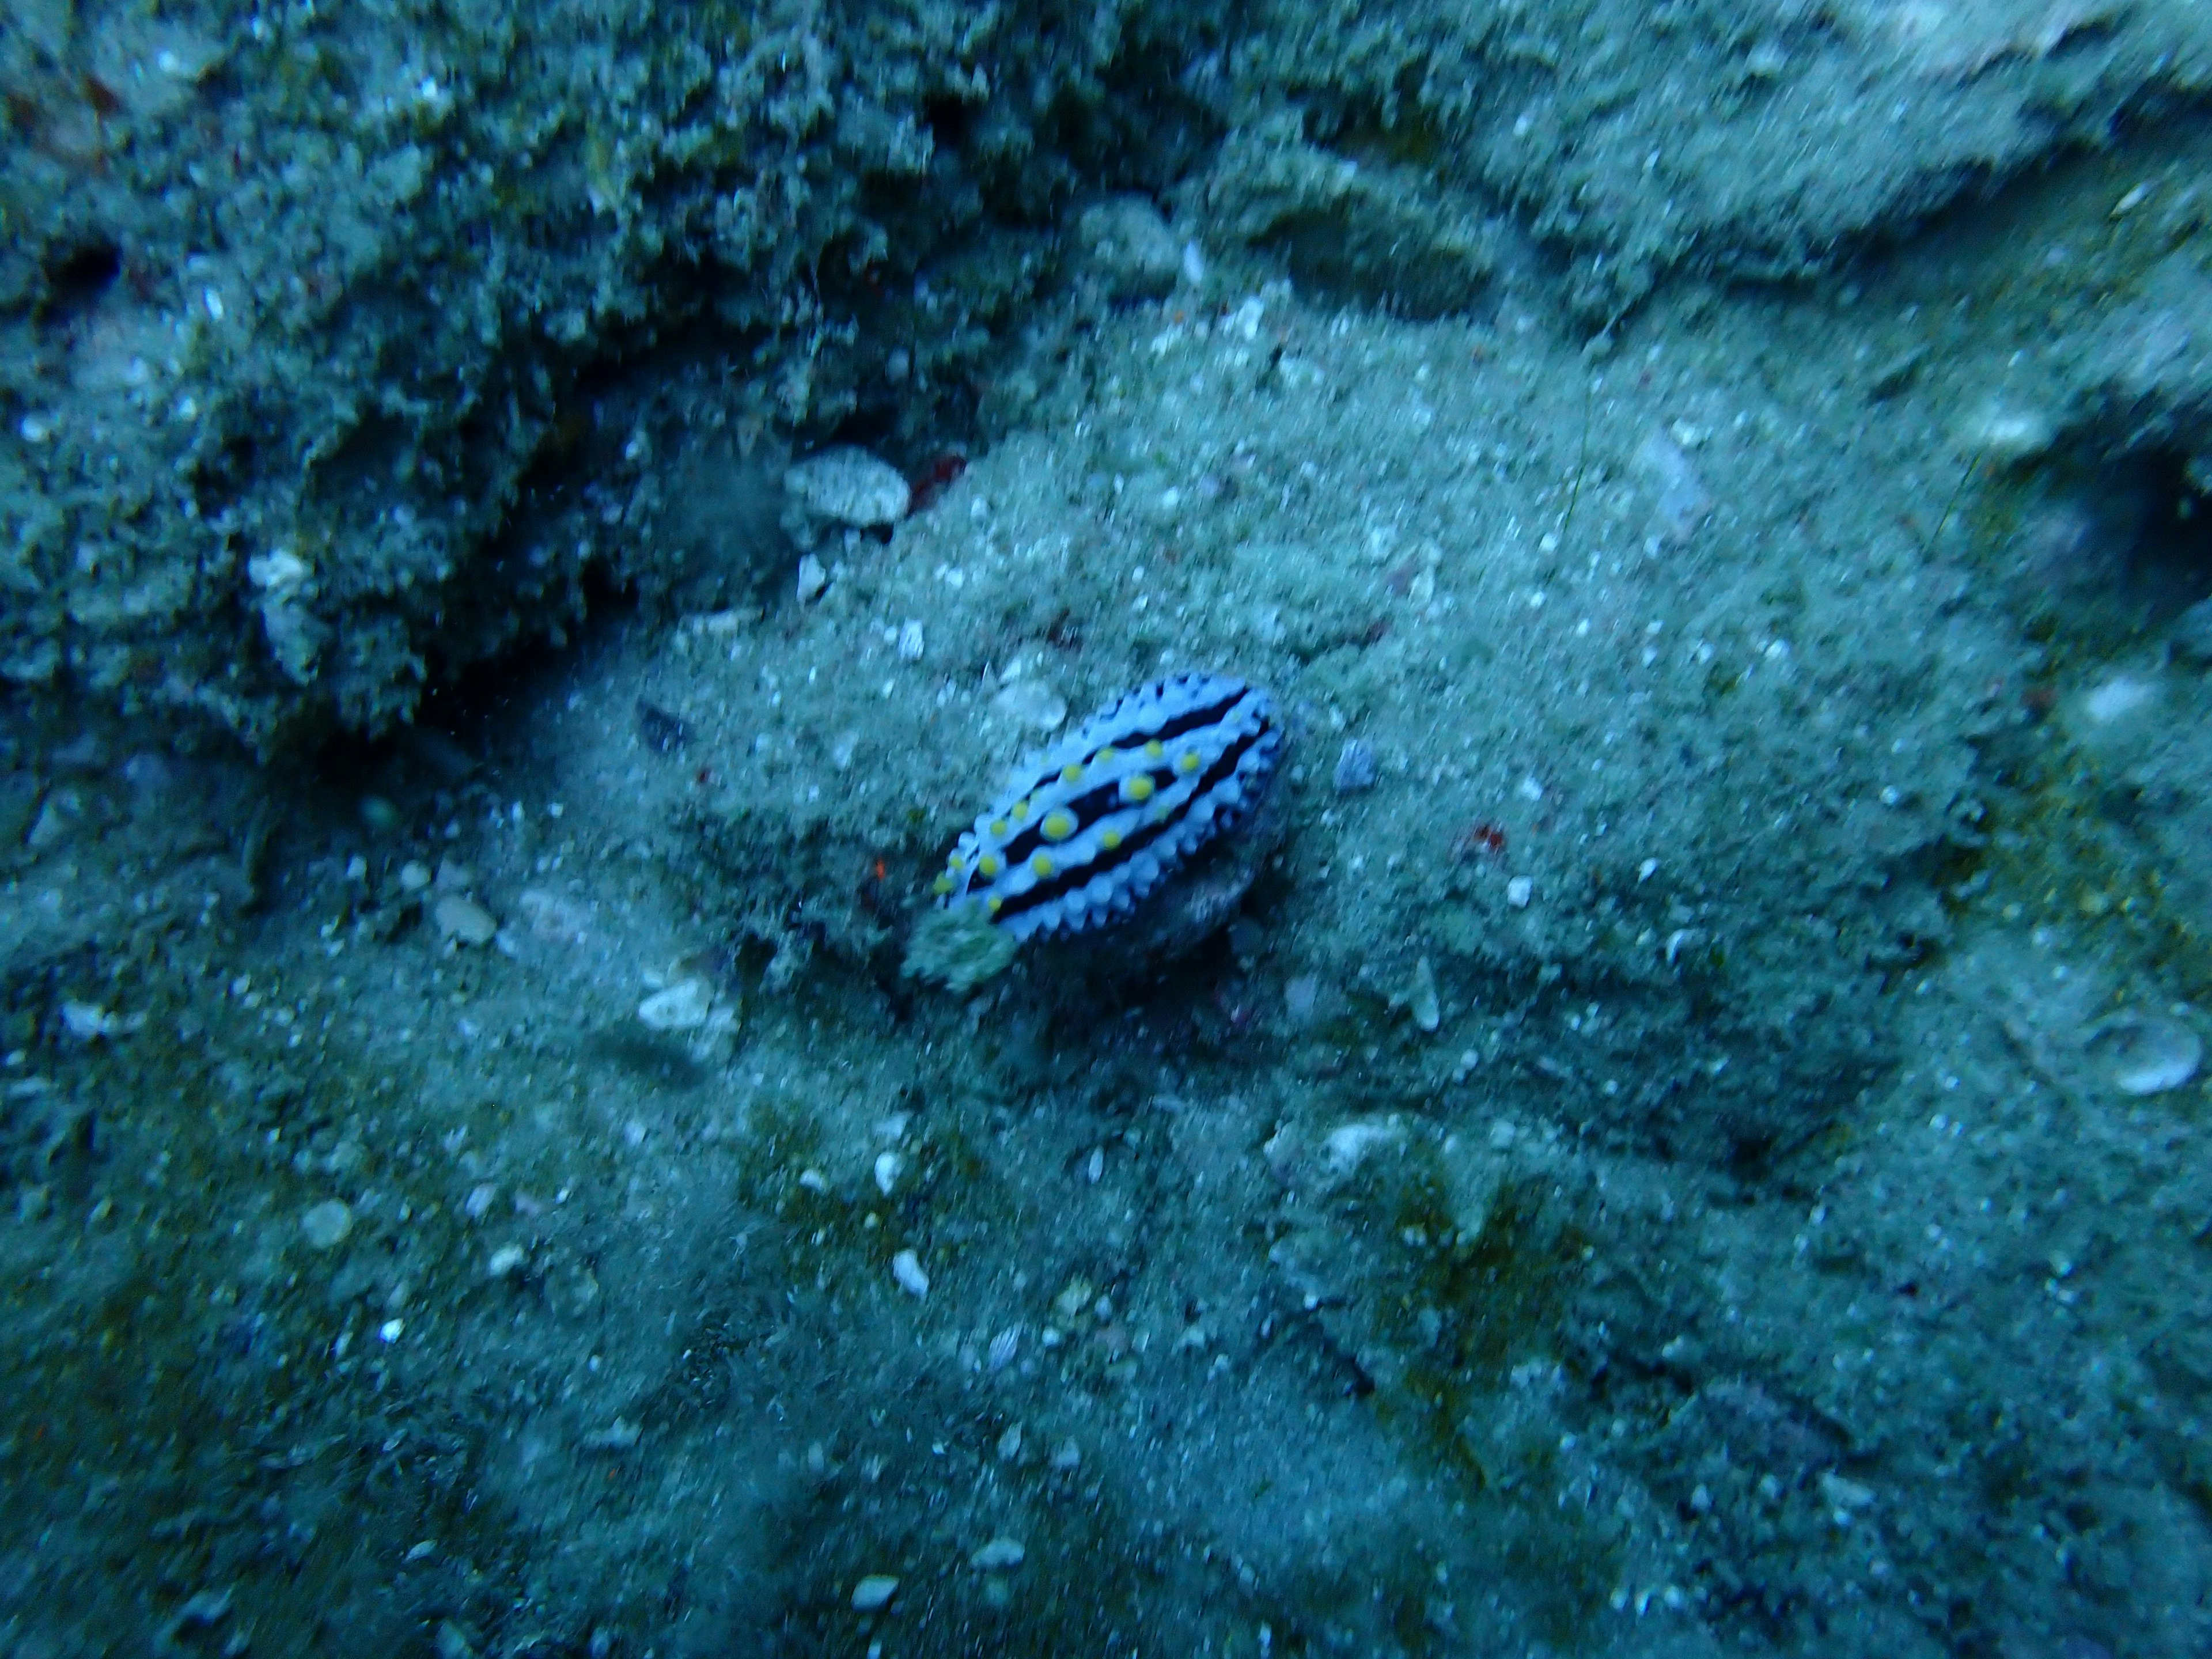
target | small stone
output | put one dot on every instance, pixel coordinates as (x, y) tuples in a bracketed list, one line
[(997, 1556), (1067, 1455), (1347, 1145), (327, 1225), (873, 1594), (910, 646), (1130, 248), (813, 577), (88, 1022), (1030, 704), (506, 1259), (850, 487), (618, 1435), (464, 920), (414, 876), (1010, 1444), (1421, 999), (1519, 891), (887, 1172), (1355, 769), (1004, 1348), (2009, 435), (683, 1006), (2146, 1054), (907, 1269)]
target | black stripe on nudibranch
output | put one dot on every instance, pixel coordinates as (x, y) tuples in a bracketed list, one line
[(1091, 828)]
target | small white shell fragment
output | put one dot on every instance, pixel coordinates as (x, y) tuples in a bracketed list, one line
[(683, 1006), (507, 1259), (998, 1555), (414, 876), (910, 642), (1030, 704), (1519, 891), (850, 487), (813, 577), (906, 1268), (874, 1593), (813, 1180), (327, 1225), (464, 920), (2146, 1054), (887, 1172), (1004, 1348)]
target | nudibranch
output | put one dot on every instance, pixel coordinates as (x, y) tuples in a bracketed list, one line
[(1091, 828)]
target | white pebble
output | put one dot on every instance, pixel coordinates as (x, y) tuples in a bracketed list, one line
[(464, 920), (2146, 1054), (507, 1259), (906, 1268), (1519, 891), (813, 577), (850, 487), (998, 1555), (874, 1593), (887, 1172), (327, 1224), (910, 644), (683, 1006), (1031, 703)]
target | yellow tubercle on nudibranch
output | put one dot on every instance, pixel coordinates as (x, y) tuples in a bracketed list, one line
[(989, 865), (1137, 787), (1041, 865), (1021, 810), (1071, 773), (942, 886), (1188, 762), (1001, 828), (1059, 824), (1111, 840), (1154, 748)]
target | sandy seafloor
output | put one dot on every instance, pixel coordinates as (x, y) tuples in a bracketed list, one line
[(1700, 1152)]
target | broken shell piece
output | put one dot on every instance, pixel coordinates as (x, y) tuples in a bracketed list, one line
[(850, 487), (2145, 1054), (1418, 998), (813, 577), (683, 1006)]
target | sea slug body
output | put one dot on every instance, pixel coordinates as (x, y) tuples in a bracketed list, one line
[(1093, 826)]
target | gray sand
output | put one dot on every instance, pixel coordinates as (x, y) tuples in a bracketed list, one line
[(1694, 1140)]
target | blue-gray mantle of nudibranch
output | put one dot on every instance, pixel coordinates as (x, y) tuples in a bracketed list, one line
[(1091, 828)]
